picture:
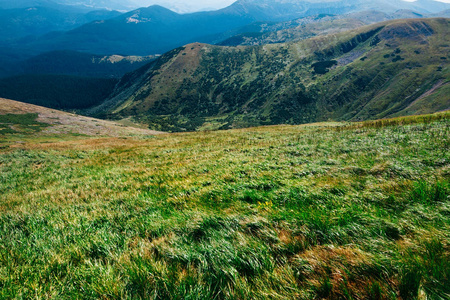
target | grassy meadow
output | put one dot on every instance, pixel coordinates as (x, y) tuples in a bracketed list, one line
[(320, 211)]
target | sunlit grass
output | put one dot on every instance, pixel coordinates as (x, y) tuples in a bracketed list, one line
[(284, 212)]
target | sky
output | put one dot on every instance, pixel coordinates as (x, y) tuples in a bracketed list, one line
[(445, 1), (187, 6), (196, 5)]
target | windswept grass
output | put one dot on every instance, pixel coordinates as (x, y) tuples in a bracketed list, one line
[(284, 212), (401, 121)]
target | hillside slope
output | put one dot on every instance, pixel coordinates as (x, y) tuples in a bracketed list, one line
[(21, 118), (318, 211), (387, 69)]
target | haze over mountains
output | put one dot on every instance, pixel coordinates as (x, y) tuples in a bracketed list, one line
[(18, 23)]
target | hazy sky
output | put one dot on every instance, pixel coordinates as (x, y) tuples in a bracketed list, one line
[(446, 1), (195, 5), (209, 3), (185, 6)]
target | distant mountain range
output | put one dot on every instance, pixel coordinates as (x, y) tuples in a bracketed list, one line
[(30, 22), (32, 27), (65, 62), (299, 29), (387, 69), (181, 6), (155, 29)]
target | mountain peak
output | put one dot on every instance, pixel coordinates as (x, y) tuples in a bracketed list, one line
[(155, 9), (153, 13)]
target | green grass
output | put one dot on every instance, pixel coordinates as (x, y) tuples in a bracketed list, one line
[(327, 210), (20, 123)]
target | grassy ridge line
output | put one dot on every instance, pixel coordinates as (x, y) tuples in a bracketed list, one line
[(280, 212), (24, 119), (401, 121)]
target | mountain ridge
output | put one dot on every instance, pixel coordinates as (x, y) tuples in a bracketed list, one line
[(299, 29), (375, 72), (22, 23), (155, 30)]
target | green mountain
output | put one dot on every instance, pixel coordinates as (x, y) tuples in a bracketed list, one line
[(387, 69)]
